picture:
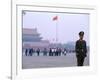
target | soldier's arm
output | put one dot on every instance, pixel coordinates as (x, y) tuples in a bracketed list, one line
[(76, 48), (85, 47)]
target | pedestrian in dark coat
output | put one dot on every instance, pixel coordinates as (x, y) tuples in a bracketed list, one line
[(26, 52), (50, 52), (38, 51), (30, 51)]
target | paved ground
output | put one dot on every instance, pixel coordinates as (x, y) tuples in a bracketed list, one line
[(69, 60)]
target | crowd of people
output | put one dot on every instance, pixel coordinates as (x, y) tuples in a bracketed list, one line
[(47, 52)]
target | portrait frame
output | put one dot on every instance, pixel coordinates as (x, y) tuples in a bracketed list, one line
[(16, 67)]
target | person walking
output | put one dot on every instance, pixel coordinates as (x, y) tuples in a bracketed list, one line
[(45, 52), (50, 52), (26, 51), (38, 51)]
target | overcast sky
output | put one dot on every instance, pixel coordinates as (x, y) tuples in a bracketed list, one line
[(68, 25)]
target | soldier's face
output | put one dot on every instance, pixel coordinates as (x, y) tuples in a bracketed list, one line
[(81, 37)]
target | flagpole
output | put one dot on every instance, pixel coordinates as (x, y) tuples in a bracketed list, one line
[(57, 30), (56, 36)]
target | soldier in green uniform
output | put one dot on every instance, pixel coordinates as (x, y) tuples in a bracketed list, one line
[(80, 49)]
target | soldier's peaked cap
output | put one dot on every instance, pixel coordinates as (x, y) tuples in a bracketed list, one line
[(81, 33)]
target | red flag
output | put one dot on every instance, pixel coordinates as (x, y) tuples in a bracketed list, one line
[(55, 18)]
